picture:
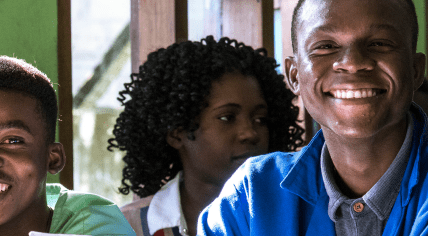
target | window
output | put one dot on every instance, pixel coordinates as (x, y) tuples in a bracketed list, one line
[(101, 63)]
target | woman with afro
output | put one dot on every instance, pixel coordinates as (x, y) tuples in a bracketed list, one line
[(193, 114)]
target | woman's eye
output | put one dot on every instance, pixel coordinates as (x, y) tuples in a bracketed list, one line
[(261, 120), (227, 118)]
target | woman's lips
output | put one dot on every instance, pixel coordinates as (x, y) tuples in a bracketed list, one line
[(246, 155)]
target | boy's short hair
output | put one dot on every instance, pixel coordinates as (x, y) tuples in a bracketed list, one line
[(19, 76), (297, 11)]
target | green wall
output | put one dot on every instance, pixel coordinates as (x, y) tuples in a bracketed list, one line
[(420, 11), (28, 30)]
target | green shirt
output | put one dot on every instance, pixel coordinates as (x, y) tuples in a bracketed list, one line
[(82, 213)]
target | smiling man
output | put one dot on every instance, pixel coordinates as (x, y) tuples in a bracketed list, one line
[(365, 173), (28, 114)]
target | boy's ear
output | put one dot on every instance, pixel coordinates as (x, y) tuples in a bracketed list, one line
[(175, 138), (419, 61), (56, 160), (291, 75)]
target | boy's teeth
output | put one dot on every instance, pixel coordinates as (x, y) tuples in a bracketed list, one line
[(358, 93), (3, 187)]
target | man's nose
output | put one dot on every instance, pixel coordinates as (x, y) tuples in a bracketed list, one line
[(354, 59)]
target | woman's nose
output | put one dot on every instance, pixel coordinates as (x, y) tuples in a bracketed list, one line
[(248, 133)]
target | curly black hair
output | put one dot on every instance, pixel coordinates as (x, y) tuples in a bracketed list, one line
[(19, 76), (170, 91)]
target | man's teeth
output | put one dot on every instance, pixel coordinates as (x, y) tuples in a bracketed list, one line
[(4, 187), (357, 93)]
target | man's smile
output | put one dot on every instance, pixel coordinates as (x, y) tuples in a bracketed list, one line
[(355, 93)]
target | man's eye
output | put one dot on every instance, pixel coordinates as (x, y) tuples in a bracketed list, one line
[(326, 46), (13, 141), (378, 44), (324, 49)]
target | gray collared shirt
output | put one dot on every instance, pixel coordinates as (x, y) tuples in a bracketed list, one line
[(366, 215)]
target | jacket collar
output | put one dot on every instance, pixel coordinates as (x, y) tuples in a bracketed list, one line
[(419, 149), (305, 178)]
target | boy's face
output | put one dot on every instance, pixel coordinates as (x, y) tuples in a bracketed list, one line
[(25, 157), (355, 68)]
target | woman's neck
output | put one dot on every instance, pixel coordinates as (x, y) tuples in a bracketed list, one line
[(195, 196)]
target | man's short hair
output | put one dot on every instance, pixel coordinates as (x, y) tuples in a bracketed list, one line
[(298, 10), (19, 76)]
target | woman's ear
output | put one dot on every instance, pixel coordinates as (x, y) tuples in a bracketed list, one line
[(291, 75), (175, 138), (57, 158)]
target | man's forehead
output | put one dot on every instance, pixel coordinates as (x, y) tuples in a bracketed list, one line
[(323, 8), (323, 14)]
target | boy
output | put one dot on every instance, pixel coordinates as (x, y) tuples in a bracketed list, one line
[(28, 114), (356, 67)]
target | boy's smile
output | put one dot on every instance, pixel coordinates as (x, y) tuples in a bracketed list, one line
[(23, 157), (355, 67)]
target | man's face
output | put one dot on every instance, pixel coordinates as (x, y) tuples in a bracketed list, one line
[(23, 156), (354, 67)]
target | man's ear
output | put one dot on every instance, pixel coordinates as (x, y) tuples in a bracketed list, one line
[(291, 75), (56, 160), (419, 61), (175, 138)]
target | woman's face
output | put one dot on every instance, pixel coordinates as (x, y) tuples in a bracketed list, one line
[(231, 129)]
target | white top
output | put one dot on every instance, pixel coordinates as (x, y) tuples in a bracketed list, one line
[(165, 208), (164, 211)]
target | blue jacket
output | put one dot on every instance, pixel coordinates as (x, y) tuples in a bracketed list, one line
[(284, 194)]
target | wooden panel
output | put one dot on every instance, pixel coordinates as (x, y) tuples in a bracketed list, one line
[(204, 19), (267, 26), (287, 8), (249, 21), (64, 90), (155, 24), (277, 4)]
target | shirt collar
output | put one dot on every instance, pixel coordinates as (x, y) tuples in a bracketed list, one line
[(379, 197), (304, 178), (165, 208)]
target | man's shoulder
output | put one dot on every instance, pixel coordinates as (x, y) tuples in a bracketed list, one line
[(276, 161), (283, 162), (85, 213), (76, 201), (61, 197), (272, 167)]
